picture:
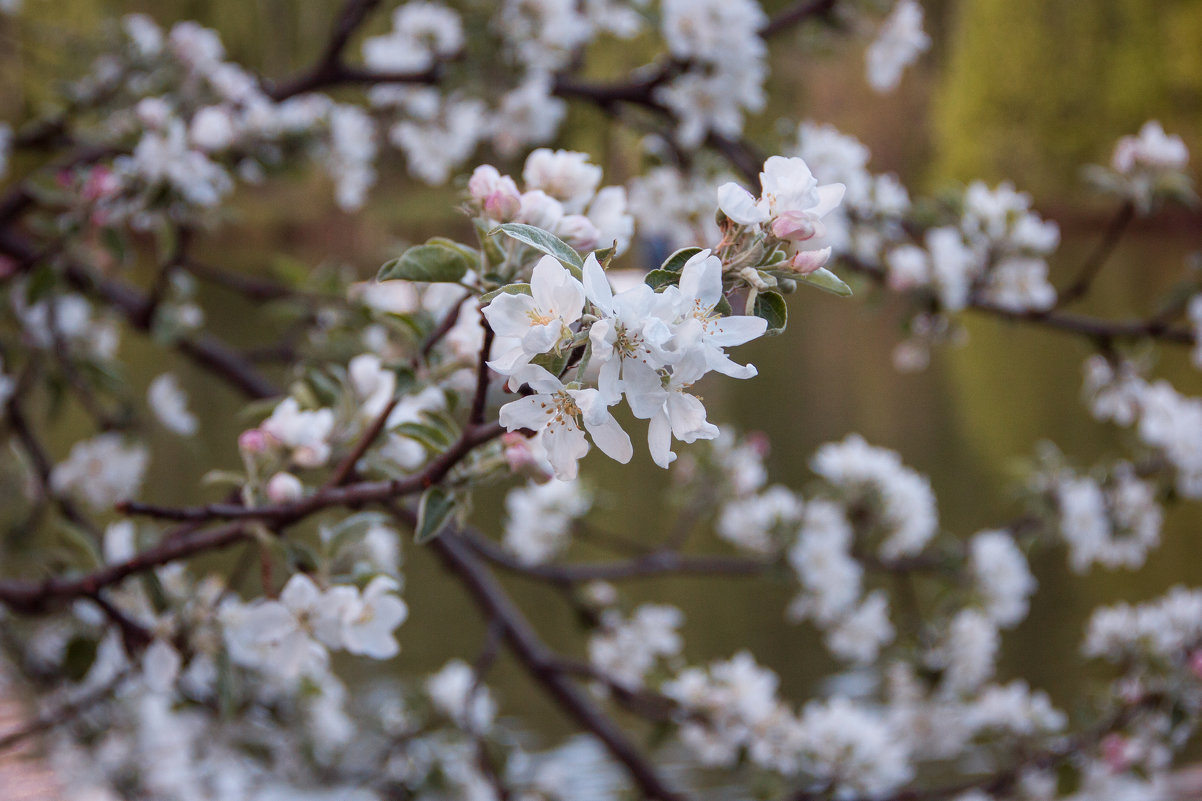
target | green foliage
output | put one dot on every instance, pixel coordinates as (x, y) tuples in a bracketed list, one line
[(1034, 89), (544, 242), (437, 261)]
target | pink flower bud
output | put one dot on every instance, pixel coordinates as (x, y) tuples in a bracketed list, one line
[(503, 205), (253, 440), (805, 262), (797, 226), (1195, 663), (7, 267), (579, 232), (758, 441), (284, 488), (101, 183), (1115, 752)]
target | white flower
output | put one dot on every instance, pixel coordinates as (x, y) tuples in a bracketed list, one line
[(529, 114), (752, 522), (373, 383), (625, 650), (565, 175), (615, 225), (284, 488), (634, 326), (1002, 576), (787, 186), (212, 128), (907, 500), (352, 151), (1152, 149), (539, 517), (160, 666), (169, 403), (860, 635), (368, 622), (852, 748), (558, 414), (968, 652), (897, 45), (527, 325), (455, 691), (147, 37), (1020, 284), (305, 433), (699, 328), (101, 470), (670, 409)]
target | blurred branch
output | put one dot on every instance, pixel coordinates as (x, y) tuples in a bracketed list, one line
[(1098, 257)]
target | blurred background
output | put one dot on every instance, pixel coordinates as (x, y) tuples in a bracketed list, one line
[(1029, 90)]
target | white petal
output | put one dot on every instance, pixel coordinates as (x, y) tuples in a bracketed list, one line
[(596, 285), (738, 204), (659, 440), (611, 439), (528, 412)]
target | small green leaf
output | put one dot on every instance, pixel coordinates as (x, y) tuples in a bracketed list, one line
[(826, 280), (771, 306), (545, 242), (554, 362), (433, 437), (508, 289), (657, 278), (434, 513), (606, 255), (78, 657), (437, 261), (677, 260), (223, 477)]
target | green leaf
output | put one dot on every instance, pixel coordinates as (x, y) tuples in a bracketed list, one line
[(545, 242), (826, 280), (78, 657), (605, 255), (437, 261), (771, 306), (657, 278), (677, 260), (434, 513), (508, 289), (554, 362), (433, 437), (223, 477)]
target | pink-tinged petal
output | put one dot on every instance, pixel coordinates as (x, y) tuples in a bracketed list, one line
[(659, 440), (528, 412), (738, 204), (509, 315), (829, 198), (805, 262), (611, 439), (701, 279), (565, 445), (730, 331), (596, 285)]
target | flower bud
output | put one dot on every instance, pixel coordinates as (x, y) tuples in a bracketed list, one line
[(797, 226), (497, 194), (805, 262), (253, 440), (1195, 663), (579, 232), (284, 488)]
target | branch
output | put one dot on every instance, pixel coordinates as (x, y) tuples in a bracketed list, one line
[(365, 492), (1097, 258), (795, 14), (540, 662)]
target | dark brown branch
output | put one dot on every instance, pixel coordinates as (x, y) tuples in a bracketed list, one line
[(541, 662), (364, 492), (480, 398), (796, 13), (347, 466), (1098, 257)]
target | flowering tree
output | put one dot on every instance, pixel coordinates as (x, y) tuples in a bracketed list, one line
[(163, 672)]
